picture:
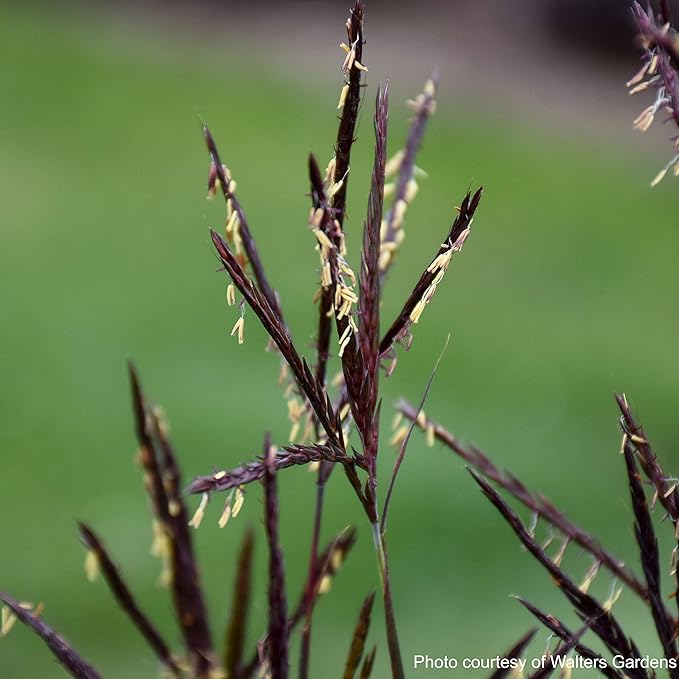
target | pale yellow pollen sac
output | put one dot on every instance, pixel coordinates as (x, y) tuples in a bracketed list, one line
[(7, 620), (325, 584), (91, 565), (645, 119), (232, 223), (219, 475), (317, 217), (346, 409), (417, 311), (638, 76), (641, 86), (653, 65), (343, 346), (360, 66), (396, 421), (231, 294), (384, 260), (345, 47), (383, 231), (441, 261), (343, 96), (323, 240), (659, 177), (174, 508), (389, 189), (238, 501), (457, 245), (431, 435), (400, 208), (330, 169), (411, 190), (334, 188), (336, 559), (348, 294), (314, 466), (394, 163), (421, 419), (197, 518), (239, 329), (226, 514), (344, 309), (348, 62), (326, 275), (430, 88), (343, 243), (345, 334), (232, 187), (337, 380), (399, 436)]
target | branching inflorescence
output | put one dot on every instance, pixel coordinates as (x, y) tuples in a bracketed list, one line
[(328, 411), (347, 301), (658, 72), (324, 410)]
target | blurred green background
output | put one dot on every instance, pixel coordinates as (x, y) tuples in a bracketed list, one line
[(566, 292)]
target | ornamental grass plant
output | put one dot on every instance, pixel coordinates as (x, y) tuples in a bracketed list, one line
[(334, 404)]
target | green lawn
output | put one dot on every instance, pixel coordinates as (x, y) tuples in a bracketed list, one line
[(565, 292)]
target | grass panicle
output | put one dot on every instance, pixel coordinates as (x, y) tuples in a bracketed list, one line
[(160, 476), (69, 659), (432, 275), (538, 505), (342, 419), (659, 73), (650, 558), (358, 639), (405, 185), (603, 622), (125, 599)]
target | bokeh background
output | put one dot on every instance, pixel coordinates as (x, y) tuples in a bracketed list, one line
[(565, 293)]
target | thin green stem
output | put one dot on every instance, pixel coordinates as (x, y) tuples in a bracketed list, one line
[(392, 634)]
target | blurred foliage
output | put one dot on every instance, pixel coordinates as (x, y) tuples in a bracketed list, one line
[(565, 292)]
